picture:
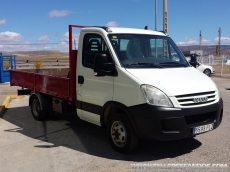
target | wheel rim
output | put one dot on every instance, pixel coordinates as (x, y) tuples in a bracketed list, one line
[(36, 107), (118, 134), (207, 72)]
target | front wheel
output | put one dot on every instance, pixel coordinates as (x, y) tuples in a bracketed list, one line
[(122, 137), (207, 72)]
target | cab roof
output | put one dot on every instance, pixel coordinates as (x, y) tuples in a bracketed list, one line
[(118, 30)]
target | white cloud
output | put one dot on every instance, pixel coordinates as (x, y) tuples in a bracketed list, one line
[(59, 13), (195, 41), (13, 41), (65, 38), (64, 45), (223, 40), (10, 37), (2, 21), (43, 39), (188, 41), (112, 24), (206, 41)]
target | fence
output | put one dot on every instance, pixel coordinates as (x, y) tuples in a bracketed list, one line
[(222, 68), (31, 64)]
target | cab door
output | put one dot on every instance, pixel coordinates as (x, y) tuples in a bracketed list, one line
[(94, 91)]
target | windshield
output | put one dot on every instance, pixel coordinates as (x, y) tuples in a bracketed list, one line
[(147, 51)]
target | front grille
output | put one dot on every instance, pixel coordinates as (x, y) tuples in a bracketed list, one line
[(196, 99), (199, 118)]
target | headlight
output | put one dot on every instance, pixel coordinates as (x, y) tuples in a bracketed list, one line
[(155, 97)]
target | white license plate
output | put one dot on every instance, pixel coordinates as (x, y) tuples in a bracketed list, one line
[(203, 128)]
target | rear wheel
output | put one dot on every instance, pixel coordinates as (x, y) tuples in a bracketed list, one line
[(39, 107), (122, 137), (207, 72)]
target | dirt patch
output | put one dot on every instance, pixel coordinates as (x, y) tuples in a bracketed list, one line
[(226, 68)]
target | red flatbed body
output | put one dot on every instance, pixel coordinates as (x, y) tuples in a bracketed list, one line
[(48, 81), (58, 82)]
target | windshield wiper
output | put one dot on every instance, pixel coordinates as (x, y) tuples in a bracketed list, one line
[(181, 64), (149, 64)]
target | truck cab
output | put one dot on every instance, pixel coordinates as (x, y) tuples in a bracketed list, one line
[(137, 84)]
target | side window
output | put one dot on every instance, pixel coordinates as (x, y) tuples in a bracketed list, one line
[(93, 44)]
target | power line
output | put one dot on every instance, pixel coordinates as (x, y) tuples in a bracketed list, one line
[(31, 44)]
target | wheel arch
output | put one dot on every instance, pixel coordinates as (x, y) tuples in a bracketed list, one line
[(44, 99), (111, 108), (208, 69)]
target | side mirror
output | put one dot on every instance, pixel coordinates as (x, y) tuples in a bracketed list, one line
[(193, 60), (102, 67)]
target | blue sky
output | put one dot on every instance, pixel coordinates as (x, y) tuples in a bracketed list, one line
[(43, 24)]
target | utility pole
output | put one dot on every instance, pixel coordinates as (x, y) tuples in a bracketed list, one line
[(165, 15), (156, 15), (200, 40), (165, 25), (219, 41)]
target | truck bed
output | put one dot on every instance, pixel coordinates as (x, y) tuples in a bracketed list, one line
[(58, 82), (53, 82)]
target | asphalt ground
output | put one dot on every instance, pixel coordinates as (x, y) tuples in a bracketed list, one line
[(6, 90), (65, 143), (7, 93)]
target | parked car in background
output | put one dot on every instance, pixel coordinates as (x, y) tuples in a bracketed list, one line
[(227, 62), (206, 69)]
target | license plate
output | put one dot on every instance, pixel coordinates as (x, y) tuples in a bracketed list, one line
[(203, 128)]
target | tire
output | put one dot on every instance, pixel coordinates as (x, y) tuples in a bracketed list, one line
[(122, 137), (39, 108), (207, 72)]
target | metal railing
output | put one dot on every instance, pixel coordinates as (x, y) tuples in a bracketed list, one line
[(29, 64), (219, 64)]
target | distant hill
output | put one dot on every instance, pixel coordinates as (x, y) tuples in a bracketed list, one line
[(208, 49), (39, 54)]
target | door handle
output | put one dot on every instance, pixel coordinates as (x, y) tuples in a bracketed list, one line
[(80, 79)]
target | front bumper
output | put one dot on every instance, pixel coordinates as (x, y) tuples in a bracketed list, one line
[(162, 123)]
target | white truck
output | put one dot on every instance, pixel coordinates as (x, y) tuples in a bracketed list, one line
[(135, 83)]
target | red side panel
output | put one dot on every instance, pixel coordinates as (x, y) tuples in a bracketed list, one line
[(22, 79), (51, 85)]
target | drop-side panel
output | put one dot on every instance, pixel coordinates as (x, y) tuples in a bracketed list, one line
[(51, 85)]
